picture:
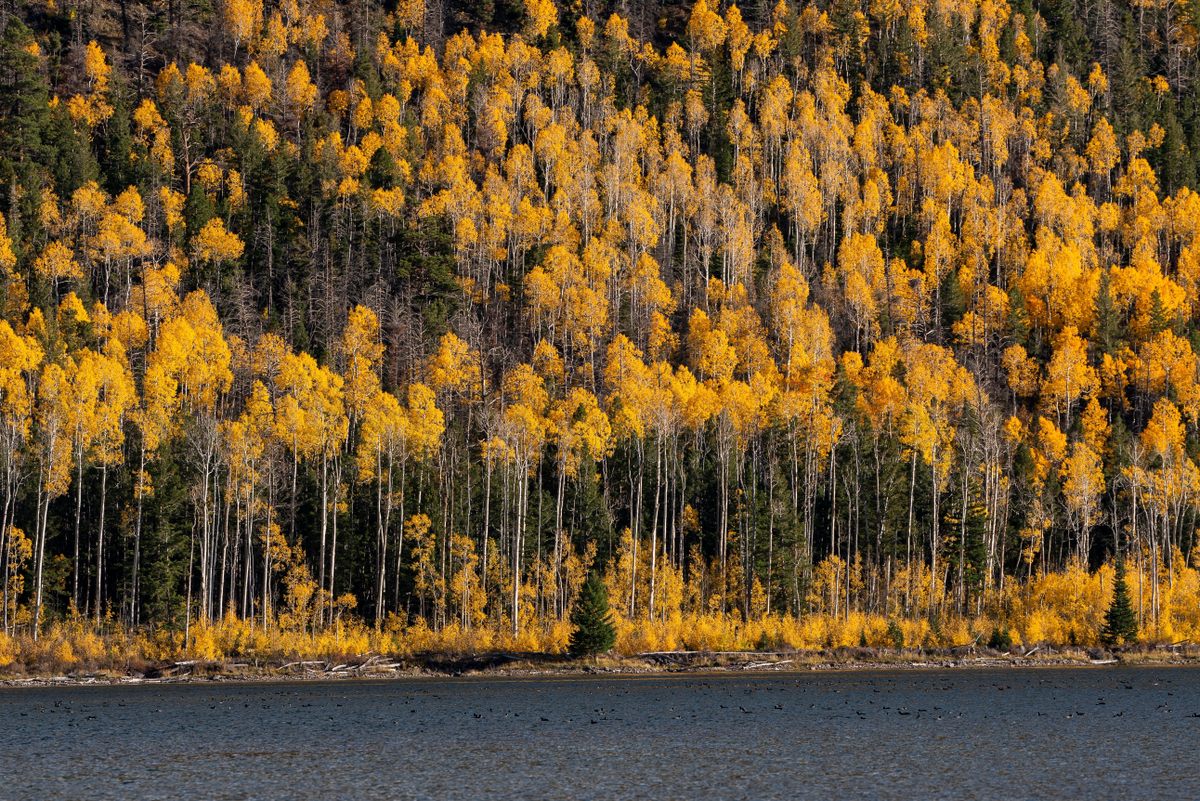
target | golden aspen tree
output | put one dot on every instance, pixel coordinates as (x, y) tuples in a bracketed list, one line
[(214, 243), (705, 28), (522, 428), (186, 374), (53, 454), (311, 418), (466, 590), (57, 263), (20, 361), (454, 366), (1083, 484), (938, 390), (382, 446), (540, 15), (579, 430), (300, 92), (1069, 376), (247, 443), (95, 107), (115, 395), (361, 353), (861, 275)]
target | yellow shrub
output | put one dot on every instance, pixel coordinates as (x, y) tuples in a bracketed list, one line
[(8, 650), (204, 644)]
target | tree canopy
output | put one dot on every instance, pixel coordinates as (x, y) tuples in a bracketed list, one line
[(314, 313)]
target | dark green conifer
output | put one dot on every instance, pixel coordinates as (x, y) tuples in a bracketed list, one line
[(594, 632), (1120, 622), (1108, 321)]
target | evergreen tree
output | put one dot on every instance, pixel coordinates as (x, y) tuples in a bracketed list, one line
[(24, 99), (1108, 322), (1120, 622), (594, 632)]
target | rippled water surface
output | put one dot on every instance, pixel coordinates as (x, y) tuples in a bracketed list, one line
[(1113, 733)]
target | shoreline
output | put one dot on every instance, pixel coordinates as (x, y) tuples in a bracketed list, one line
[(553, 666)]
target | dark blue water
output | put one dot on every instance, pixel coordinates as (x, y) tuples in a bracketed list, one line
[(1105, 733)]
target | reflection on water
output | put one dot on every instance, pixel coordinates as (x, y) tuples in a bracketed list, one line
[(1042, 733)]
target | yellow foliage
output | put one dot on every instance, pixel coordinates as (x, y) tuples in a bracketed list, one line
[(215, 243)]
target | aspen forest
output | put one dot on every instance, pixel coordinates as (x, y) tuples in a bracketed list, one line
[(332, 327)]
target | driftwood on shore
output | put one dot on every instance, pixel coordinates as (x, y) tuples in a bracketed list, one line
[(533, 664)]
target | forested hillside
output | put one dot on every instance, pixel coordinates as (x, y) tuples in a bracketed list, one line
[(827, 323)]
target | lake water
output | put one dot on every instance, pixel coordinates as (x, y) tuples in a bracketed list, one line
[(1108, 733)]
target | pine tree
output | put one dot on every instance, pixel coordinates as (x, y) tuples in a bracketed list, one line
[(1108, 322), (594, 632), (1120, 622)]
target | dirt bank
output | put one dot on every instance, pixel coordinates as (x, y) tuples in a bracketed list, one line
[(531, 665)]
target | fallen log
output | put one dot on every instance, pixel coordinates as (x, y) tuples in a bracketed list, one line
[(757, 665)]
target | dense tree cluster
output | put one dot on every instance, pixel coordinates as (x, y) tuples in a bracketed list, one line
[(418, 313)]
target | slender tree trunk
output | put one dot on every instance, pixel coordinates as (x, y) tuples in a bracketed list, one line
[(658, 481), (100, 542), (135, 582), (324, 530), (78, 515)]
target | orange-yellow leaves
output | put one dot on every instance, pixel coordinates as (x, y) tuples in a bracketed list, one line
[(1020, 370), (20, 358), (1058, 286), (713, 357), (102, 393), (57, 262), (454, 366), (410, 13), (862, 278), (310, 415), (523, 386), (426, 421), (803, 333), (8, 259), (154, 134), (1083, 484), (301, 93), (94, 107), (1069, 376), (256, 86), (243, 19), (569, 295), (71, 310), (548, 363), (190, 364), (938, 390), (522, 426), (361, 352), (382, 433), (579, 428), (627, 380), (705, 28), (1052, 440), (117, 233), (1163, 436), (1165, 364), (1102, 151), (1146, 294), (1095, 428), (54, 441), (215, 243), (541, 15)]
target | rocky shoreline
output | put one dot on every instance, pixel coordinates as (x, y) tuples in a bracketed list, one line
[(531, 666)]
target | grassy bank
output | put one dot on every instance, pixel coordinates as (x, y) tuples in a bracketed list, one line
[(109, 666)]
